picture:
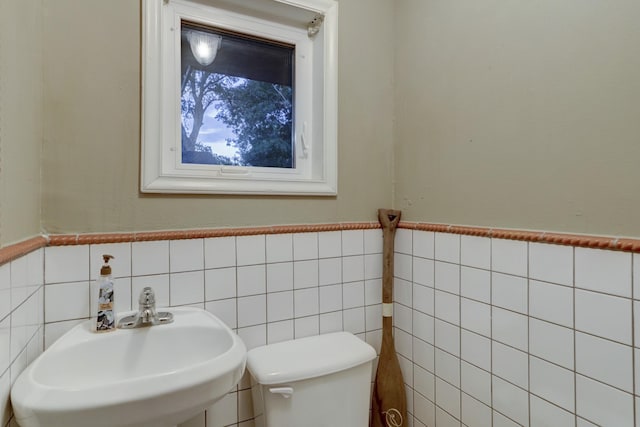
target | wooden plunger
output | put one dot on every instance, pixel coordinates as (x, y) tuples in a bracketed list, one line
[(389, 400)]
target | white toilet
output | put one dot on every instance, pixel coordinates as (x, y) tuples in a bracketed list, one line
[(319, 381)]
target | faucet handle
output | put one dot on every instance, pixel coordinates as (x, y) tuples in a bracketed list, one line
[(147, 314), (147, 297)]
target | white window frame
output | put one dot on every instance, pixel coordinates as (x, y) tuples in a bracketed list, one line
[(316, 102)]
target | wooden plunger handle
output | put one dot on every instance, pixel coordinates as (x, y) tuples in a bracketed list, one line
[(389, 402), (389, 220)]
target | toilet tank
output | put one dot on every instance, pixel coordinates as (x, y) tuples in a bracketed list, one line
[(319, 381)]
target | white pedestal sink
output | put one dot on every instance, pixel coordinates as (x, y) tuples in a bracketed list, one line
[(157, 376)]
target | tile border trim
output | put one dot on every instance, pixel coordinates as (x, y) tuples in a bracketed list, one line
[(566, 239), (147, 236), (17, 250), (14, 251)]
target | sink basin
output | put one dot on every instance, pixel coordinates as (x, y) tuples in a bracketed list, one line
[(157, 376)]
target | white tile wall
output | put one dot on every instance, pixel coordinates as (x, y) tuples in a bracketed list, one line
[(475, 284), (490, 332), (423, 298), (308, 326), (330, 244), (372, 241), (71, 263), (424, 244), (280, 277), (280, 331), (5, 290), (474, 412), (403, 267), (604, 315), (605, 360), (402, 292), (146, 258), (352, 242), (251, 280), (603, 404), (305, 246), (268, 288), (476, 382), (220, 283), (509, 328), (553, 383), (544, 413), (447, 367), (279, 248), (636, 276), (475, 316), (551, 342), (22, 318), (475, 349), (305, 274), (423, 271), (552, 303), (252, 310), (545, 335), (447, 277), (447, 398), (447, 247), (603, 271), (511, 401), (551, 263), (250, 250), (185, 255), (509, 256), (447, 307), (220, 252), (510, 364), (66, 301), (509, 292)]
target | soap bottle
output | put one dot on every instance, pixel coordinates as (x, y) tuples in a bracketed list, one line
[(106, 320)]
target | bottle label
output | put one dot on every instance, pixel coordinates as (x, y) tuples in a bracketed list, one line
[(105, 298), (106, 318)]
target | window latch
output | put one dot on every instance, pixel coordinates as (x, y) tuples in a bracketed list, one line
[(304, 145)]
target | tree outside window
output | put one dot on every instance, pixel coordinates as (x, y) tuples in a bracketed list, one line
[(239, 109)]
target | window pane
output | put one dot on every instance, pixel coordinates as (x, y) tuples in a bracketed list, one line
[(237, 99)]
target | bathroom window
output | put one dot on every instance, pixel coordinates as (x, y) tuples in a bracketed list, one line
[(236, 99), (239, 97)]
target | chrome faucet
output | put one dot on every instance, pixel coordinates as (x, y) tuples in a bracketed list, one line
[(147, 314)]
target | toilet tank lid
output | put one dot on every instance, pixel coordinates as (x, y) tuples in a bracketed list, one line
[(308, 357)]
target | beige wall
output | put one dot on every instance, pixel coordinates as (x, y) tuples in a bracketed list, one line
[(20, 119), (520, 114), (92, 100), (507, 114)]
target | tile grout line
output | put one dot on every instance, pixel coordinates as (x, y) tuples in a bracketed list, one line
[(413, 355), (460, 322), (633, 346), (528, 333), (435, 392), (237, 317), (573, 333), (491, 329), (266, 294)]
